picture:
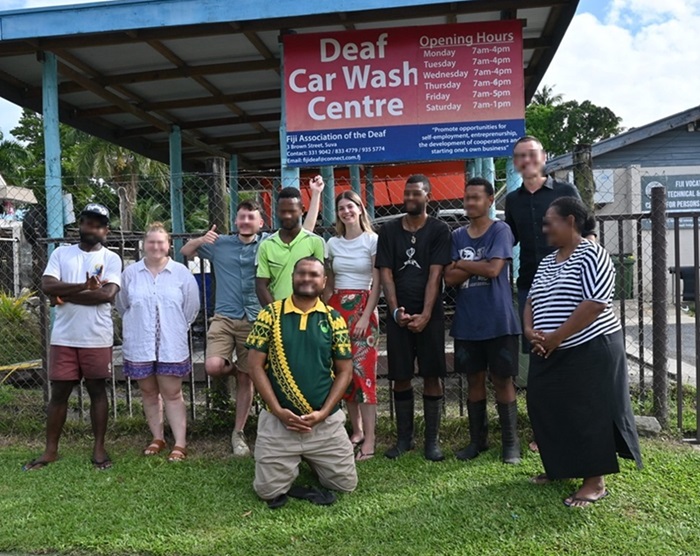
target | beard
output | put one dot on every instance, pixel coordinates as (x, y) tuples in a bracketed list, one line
[(415, 210), (309, 293), (90, 239)]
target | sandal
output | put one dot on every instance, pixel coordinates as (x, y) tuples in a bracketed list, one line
[(102, 465), (178, 453), (362, 456), (35, 464), (540, 479), (569, 502), (357, 443), (154, 448)]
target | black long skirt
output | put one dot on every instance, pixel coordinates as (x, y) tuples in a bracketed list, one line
[(579, 405)]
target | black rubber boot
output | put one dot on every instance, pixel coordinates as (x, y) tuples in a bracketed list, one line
[(403, 404), (432, 410), (478, 431), (508, 416)]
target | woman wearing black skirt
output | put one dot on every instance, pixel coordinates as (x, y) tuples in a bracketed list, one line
[(578, 394)]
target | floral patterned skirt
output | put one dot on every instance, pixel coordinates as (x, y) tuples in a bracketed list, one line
[(351, 304)]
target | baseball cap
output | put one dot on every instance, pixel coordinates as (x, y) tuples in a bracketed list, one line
[(98, 210)]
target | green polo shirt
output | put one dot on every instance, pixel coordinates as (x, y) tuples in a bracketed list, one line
[(276, 259), (300, 348)]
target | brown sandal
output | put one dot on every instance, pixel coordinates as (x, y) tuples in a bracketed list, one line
[(154, 448), (178, 453)]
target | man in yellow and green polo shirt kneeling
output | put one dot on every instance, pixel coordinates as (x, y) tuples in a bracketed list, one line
[(301, 363)]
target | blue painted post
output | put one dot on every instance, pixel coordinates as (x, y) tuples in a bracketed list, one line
[(328, 208), (233, 190), (489, 172), (471, 168), (355, 183), (290, 176), (479, 167), (513, 181), (177, 214), (52, 147), (369, 191)]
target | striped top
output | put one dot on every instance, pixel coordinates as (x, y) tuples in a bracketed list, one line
[(559, 288)]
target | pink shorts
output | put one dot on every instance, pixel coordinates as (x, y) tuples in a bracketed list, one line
[(72, 363)]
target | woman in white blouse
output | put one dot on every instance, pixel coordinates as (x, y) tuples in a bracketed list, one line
[(577, 392), (158, 301), (352, 288)]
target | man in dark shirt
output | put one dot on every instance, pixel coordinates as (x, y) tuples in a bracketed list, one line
[(525, 209), (412, 252)]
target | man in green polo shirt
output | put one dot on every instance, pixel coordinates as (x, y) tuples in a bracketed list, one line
[(278, 254), (300, 361)]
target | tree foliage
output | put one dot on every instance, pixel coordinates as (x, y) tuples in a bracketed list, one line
[(562, 125)]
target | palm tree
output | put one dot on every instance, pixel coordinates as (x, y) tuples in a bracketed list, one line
[(545, 96), (120, 168), (15, 160)]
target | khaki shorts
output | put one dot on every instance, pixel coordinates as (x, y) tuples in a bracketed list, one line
[(278, 452), (226, 335)]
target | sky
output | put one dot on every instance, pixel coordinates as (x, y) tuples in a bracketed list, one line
[(640, 58)]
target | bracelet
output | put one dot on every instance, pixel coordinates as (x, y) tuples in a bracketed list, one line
[(394, 314)]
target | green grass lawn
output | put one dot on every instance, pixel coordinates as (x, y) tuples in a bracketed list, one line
[(206, 506)]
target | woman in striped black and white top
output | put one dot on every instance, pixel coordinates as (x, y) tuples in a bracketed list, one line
[(578, 394)]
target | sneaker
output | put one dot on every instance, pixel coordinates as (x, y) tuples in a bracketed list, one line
[(239, 445)]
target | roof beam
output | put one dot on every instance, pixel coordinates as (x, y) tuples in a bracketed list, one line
[(159, 124), (212, 122), (184, 103)]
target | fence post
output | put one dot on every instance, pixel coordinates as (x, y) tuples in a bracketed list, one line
[(583, 173), (513, 181), (369, 191), (355, 183), (216, 188), (659, 279), (328, 208), (233, 190)]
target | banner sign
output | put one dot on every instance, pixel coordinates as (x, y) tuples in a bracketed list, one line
[(437, 92), (682, 195)]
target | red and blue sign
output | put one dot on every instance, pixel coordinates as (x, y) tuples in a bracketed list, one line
[(438, 92)]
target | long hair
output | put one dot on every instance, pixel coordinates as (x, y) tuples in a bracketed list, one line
[(365, 224)]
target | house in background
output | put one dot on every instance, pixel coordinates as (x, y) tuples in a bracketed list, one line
[(627, 166), (15, 257)]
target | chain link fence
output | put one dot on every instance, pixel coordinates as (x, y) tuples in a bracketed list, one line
[(658, 316)]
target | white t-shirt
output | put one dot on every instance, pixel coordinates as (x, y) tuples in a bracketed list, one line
[(83, 325), (351, 261)]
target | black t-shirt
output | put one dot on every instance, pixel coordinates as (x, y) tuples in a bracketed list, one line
[(410, 261)]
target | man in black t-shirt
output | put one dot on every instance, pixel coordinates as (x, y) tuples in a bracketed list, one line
[(412, 253)]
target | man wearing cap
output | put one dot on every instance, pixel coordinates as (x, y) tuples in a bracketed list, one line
[(82, 281), (301, 363)]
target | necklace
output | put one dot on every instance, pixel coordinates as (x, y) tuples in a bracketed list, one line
[(413, 239)]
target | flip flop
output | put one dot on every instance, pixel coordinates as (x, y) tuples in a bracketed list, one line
[(35, 465), (313, 495), (540, 479), (362, 456), (357, 443), (568, 502), (102, 465)]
